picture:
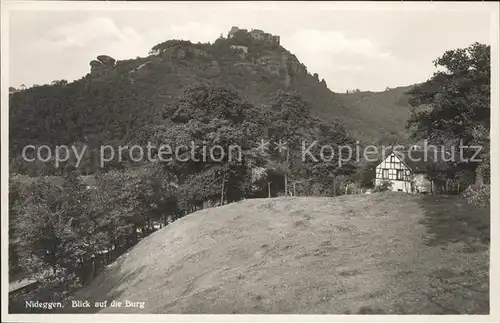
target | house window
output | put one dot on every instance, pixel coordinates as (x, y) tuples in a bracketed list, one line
[(400, 174), (392, 159), (385, 173)]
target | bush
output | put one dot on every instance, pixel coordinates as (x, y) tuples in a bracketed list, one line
[(384, 187), (478, 195), (366, 175)]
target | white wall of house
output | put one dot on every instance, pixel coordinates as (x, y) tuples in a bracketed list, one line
[(404, 186)]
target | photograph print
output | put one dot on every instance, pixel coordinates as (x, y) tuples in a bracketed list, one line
[(248, 157)]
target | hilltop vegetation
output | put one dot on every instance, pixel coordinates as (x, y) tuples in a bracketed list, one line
[(387, 112), (118, 101)]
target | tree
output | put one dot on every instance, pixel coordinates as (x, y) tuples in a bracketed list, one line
[(366, 175), (14, 201), (220, 131), (53, 228), (389, 139), (39, 240), (457, 101), (59, 82), (288, 119)]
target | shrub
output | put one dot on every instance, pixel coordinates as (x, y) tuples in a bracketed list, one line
[(478, 195), (383, 187)]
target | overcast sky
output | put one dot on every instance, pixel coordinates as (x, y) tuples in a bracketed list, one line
[(369, 50)]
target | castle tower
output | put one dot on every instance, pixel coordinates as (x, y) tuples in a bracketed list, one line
[(231, 33)]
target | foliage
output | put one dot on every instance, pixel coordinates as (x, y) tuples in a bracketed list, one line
[(206, 118), (161, 47), (389, 139), (59, 82), (366, 175), (52, 226), (478, 195), (457, 98), (60, 227), (14, 200), (380, 116), (123, 106), (383, 187)]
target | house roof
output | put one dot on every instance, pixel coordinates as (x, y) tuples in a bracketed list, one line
[(421, 161), (416, 160)]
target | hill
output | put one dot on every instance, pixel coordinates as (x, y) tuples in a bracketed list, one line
[(117, 100), (386, 112), (379, 253)]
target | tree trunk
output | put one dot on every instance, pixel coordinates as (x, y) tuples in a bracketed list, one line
[(286, 184), (135, 234), (334, 186), (222, 189), (286, 173), (479, 180), (269, 189)]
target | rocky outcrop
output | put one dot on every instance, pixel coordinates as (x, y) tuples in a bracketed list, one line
[(182, 52), (295, 67), (285, 64), (241, 50), (272, 64), (102, 64), (95, 66), (106, 60), (198, 52)]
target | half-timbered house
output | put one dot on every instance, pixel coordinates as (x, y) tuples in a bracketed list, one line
[(407, 173)]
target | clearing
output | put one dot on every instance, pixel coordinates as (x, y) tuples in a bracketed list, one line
[(390, 253)]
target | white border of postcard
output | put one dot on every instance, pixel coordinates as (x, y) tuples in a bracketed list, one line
[(491, 7)]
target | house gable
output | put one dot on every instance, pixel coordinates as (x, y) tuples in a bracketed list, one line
[(407, 173), (393, 168)]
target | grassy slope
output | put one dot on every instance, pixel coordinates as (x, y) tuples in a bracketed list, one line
[(352, 254)]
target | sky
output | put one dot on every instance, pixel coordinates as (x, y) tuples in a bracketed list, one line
[(350, 49)]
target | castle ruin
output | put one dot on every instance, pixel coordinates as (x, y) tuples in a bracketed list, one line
[(256, 34)]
